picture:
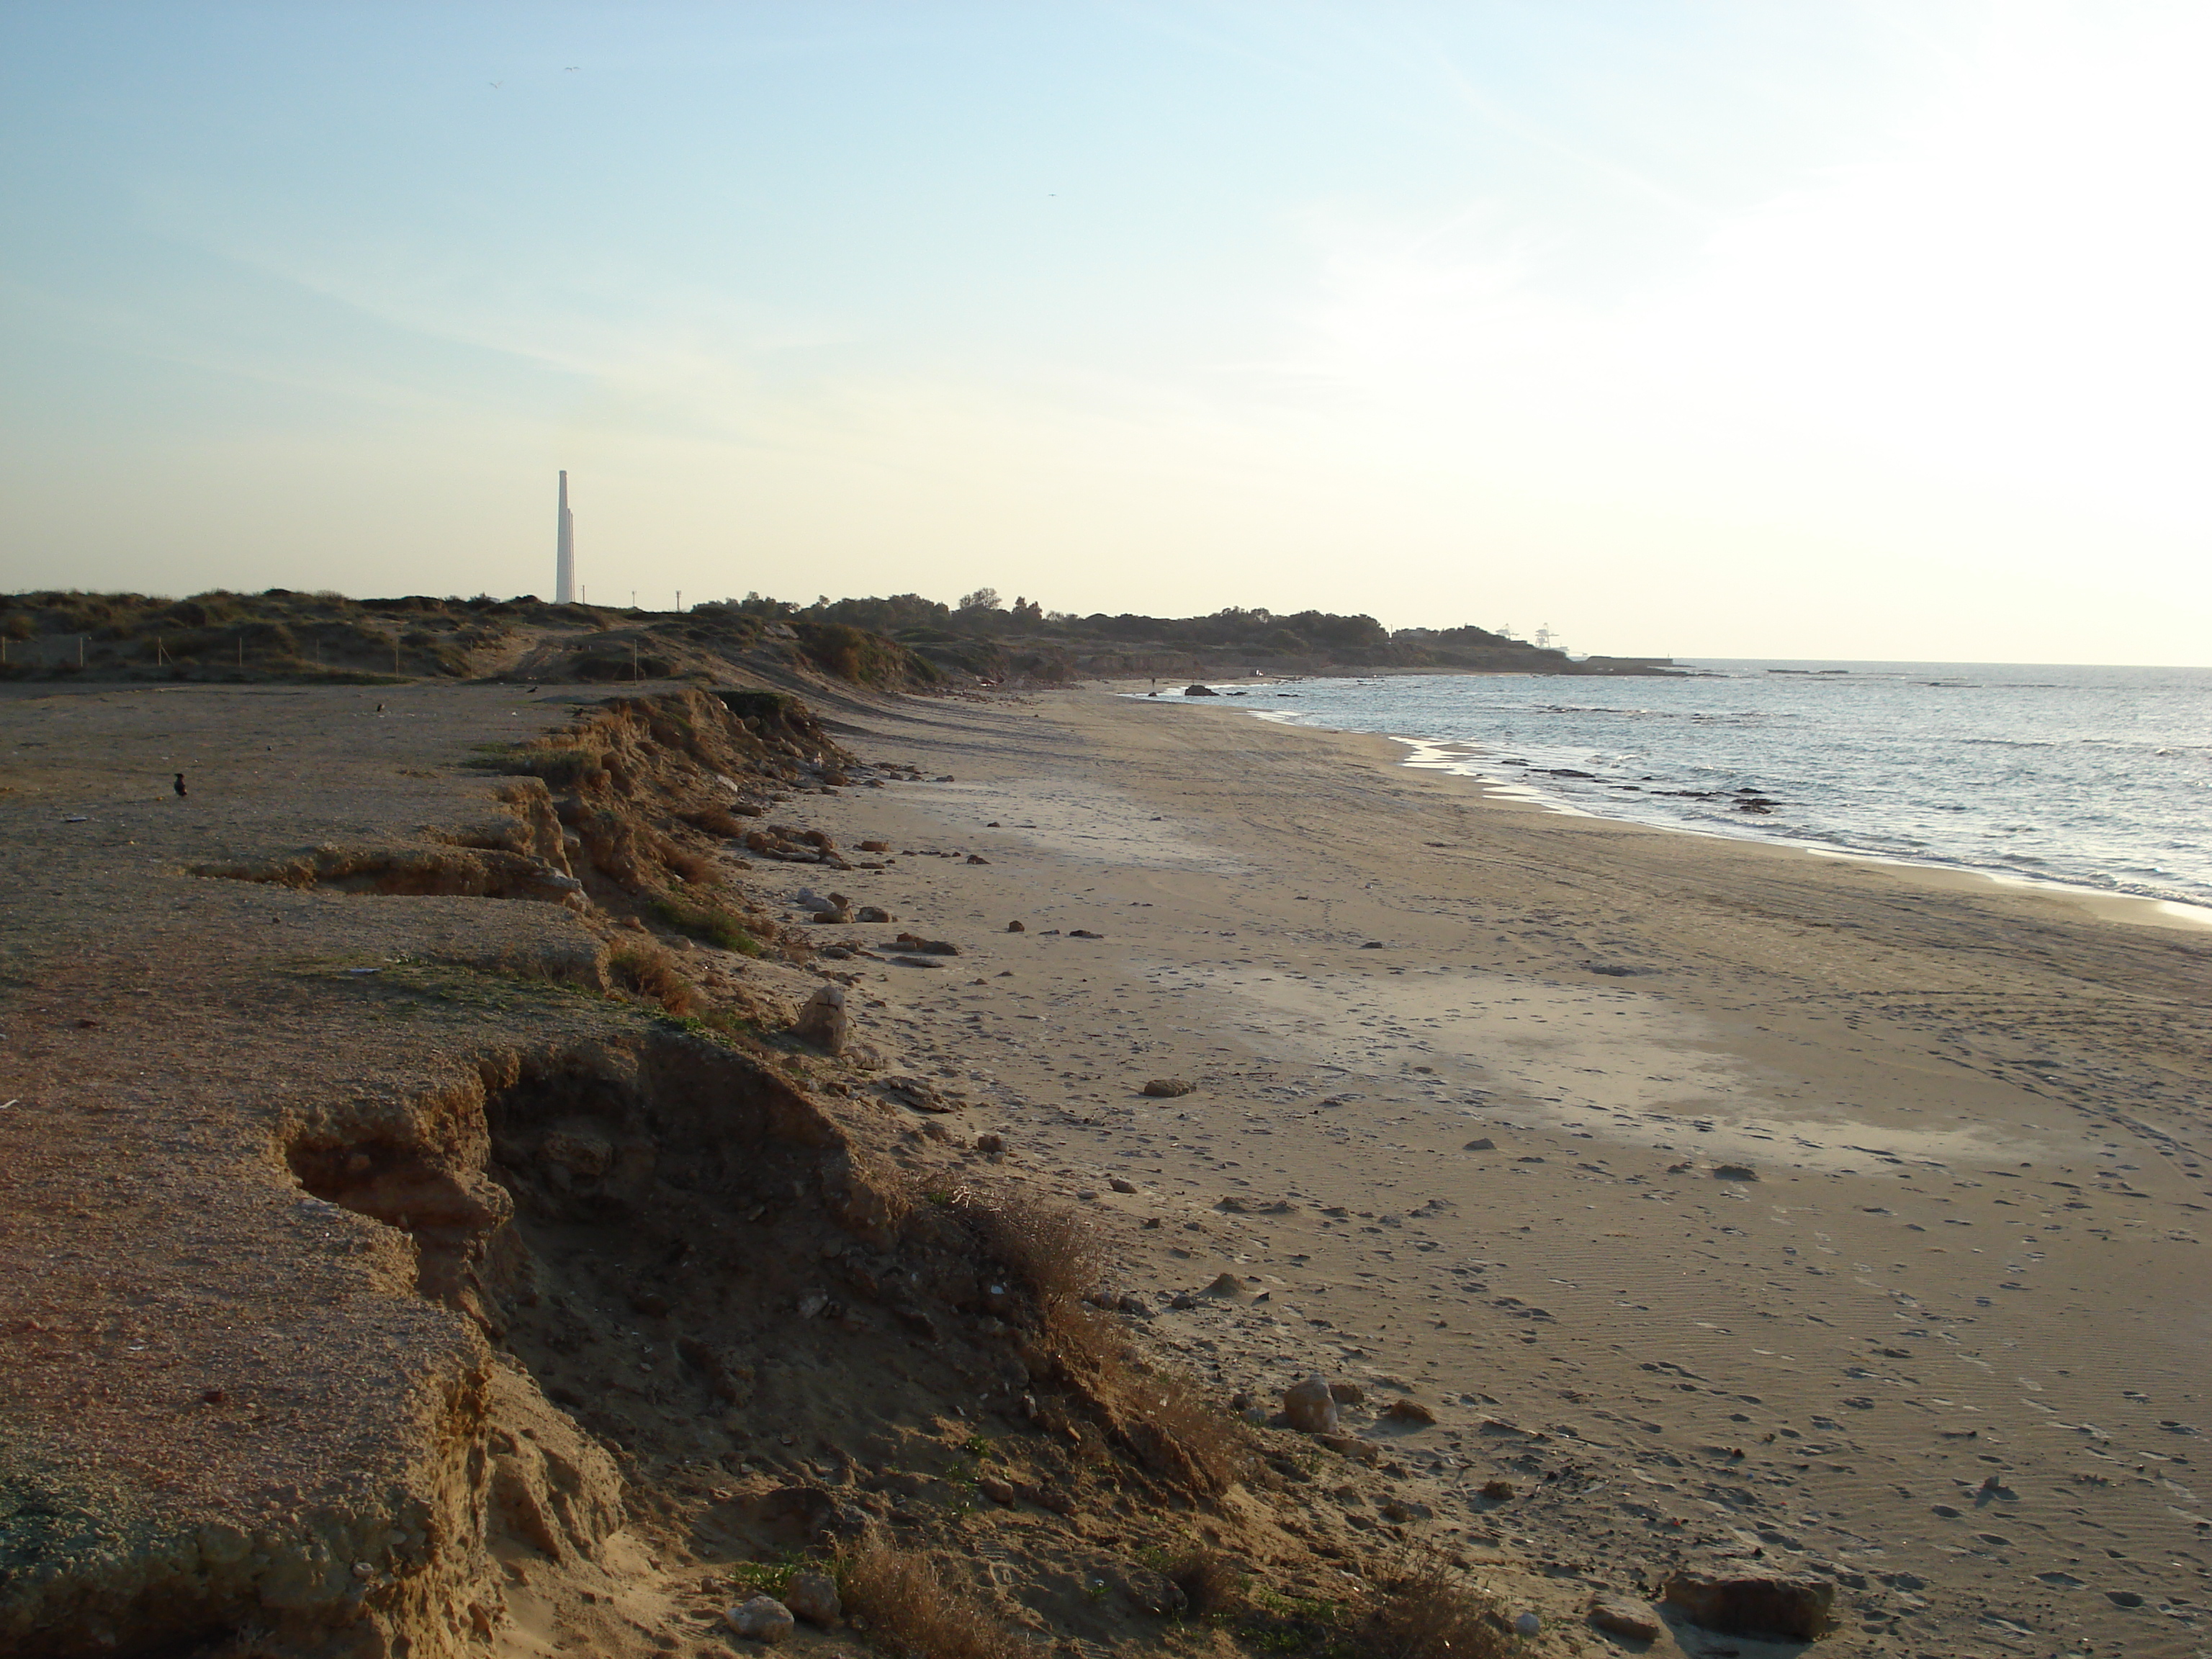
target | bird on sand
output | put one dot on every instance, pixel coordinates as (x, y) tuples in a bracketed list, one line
[(179, 785)]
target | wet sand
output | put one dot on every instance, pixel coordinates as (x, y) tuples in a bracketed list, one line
[(1732, 1204)]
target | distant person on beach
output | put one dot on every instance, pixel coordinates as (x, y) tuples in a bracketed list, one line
[(179, 785)]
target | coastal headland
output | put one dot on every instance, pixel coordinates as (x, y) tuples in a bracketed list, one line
[(491, 1171)]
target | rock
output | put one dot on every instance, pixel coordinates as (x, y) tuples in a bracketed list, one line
[(1226, 1285), (873, 913), (813, 1597), (1122, 1184), (1083, 932), (1199, 692), (763, 1619), (823, 1021), (917, 961), (1166, 1088), (1016, 928), (1734, 1172), (1409, 1411), (1309, 1406), (1796, 1609), (934, 947), (991, 1146), (1631, 1620), (1483, 1143), (976, 858), (1497, 1491), (875, 847), (1527, 1624), (998, 1491), (1183, 1299), (1347, 1394), (1149, 1591)]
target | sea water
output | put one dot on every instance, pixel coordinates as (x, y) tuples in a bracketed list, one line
[(2090, 777)]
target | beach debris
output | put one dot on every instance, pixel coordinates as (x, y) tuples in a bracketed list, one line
[(1167, 1088), (1310, 1405), (917, 961), (1410, 1411), (813, 1597), (1016, 928), (1631, 1620), (1734, 1172), (763, 1619), (1796, 1609), (823, 1021), (1199, 692)]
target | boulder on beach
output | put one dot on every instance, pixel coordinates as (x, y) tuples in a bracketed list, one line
[(1166, 1088), (823, 1021), (1796, 1609), (763, 1619), (1311, 1407), (1199, 692)]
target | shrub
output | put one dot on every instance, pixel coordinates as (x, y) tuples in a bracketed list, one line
[(912, 1608), (646, 970), (1425, 1611)]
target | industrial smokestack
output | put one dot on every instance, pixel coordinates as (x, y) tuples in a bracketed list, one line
[(564, 552)]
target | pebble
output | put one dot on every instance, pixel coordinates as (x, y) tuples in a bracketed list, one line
[(1527, 1624)]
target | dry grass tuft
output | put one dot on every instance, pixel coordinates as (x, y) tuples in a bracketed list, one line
[(1050, 1249), (1211, 1582), (1181, 1433), (912, 1609), (1425, 1611), (644, 968), (717, 821)]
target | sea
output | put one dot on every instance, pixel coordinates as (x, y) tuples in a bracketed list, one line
[(2087, 778)]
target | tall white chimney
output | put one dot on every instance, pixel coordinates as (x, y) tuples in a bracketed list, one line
[(564, 554)]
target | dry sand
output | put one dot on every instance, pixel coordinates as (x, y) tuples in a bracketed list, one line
[(1729, 1201), (1731, 1204)]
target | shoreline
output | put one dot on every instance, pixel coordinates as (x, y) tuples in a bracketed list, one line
[(2142, 909)]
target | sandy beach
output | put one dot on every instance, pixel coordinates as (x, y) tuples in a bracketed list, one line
[(1709, 1203), (1726, 1198)]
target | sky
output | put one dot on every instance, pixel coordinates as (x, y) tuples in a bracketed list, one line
[(1687, 327)]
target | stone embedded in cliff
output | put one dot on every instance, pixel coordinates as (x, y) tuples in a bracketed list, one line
[(813, 1597), (1310, 1408), (823, 1021), (1796, 1609), (762, 1619)]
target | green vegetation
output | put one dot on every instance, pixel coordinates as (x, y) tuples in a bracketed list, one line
[(709, 922)]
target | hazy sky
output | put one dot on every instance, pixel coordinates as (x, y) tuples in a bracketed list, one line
[(1810, 328)]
